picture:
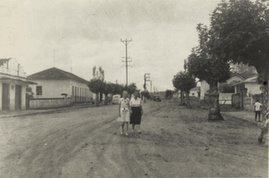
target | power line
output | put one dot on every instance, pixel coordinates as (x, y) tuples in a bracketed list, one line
[(127, 59)]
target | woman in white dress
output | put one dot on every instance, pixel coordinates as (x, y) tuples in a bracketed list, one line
[(124, 112)]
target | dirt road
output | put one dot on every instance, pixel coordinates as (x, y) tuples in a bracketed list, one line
[(175, 142)]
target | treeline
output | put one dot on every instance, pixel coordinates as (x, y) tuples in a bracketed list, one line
[(100, 88)]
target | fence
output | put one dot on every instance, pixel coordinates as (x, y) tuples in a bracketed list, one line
[(245, 102), (46, 103)]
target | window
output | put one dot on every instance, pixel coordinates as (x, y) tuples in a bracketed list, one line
[(39, 90)]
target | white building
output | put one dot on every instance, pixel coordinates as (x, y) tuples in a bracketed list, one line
[(195, 92), (13, 84), (204, 88), (250, 86), (55, 83)]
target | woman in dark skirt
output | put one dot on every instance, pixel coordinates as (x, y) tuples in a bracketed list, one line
[(136, 111)]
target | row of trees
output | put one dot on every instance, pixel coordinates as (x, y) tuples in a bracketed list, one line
[(238, 33), (100, 87)]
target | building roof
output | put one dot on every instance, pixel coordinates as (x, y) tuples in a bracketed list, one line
[(248, 80), (244, 75), (56, 74)]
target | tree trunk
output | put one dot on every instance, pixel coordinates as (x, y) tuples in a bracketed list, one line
[(214, 110), (101, 96), (97, 99), (181, 97), (263, 138), (106, 99), (188, 99)]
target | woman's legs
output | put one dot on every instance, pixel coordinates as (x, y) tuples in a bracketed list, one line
[(127, 125), (122, 128)]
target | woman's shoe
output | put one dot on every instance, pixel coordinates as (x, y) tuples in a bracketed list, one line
[(126, 134)]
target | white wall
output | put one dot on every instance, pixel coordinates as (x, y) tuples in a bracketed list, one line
[(12, 90), (49, 103), (23, 97), (52, 88), (77, 91), (253, 88), (12, 96), (80, 92), (204, 89), (194, 93)]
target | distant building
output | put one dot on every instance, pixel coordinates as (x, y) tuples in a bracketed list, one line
[(195, 92), (232, 81), (13, 84), (249, 86), (56, 83), (203, 89)]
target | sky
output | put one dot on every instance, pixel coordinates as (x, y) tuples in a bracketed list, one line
[(76, 35)]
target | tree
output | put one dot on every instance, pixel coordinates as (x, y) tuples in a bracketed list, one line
[(96, 86), (145, 94), (131, 88), (184, 82), (108, 89), (116, 88), (240, 33), (205, 66), (168, 94)]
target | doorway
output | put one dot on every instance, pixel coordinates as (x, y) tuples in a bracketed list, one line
[(5, 97)]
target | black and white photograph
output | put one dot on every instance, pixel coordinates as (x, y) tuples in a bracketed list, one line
[(134, 88)]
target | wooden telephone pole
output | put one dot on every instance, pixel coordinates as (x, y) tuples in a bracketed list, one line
[(127, 59)]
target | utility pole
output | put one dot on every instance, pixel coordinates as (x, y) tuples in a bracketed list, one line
[(151, 86), (146, 79), (127, 59)]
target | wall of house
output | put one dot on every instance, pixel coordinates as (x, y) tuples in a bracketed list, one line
[(51, 88), (12, 90), (80, 92), (253, 89), (77, 91)]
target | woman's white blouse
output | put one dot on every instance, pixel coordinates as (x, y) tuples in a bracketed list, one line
[(135, 102)]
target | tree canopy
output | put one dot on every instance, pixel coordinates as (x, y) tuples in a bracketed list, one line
[(203, 64), (183, 81), (240, 32), (131, 88), (96, 85)]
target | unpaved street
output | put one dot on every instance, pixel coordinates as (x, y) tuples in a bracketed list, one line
[(175, 142)]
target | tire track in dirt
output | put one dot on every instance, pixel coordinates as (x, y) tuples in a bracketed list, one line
[(41, 160), (107, 136), (144, 164)]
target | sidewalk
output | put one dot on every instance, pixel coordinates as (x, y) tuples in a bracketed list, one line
[(9, 114)]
